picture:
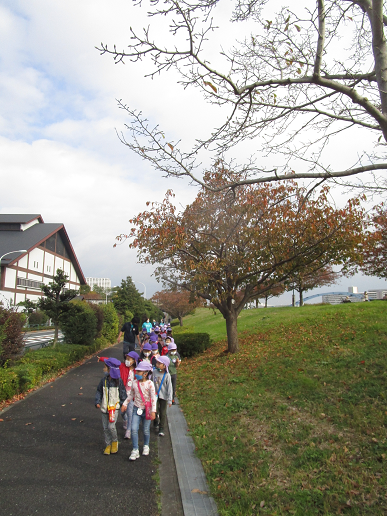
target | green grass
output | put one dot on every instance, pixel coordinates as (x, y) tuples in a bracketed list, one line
[(296, 422)]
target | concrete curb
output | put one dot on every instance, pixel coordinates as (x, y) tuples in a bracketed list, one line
[(192, 480)]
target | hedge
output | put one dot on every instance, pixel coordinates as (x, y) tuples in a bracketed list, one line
[(31, 369), (79, 323), (190, 344)]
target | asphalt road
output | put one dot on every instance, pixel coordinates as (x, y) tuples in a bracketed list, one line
[(51, 460), (38, 339)]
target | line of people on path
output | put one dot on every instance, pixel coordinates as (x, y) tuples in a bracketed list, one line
[(141, 388)]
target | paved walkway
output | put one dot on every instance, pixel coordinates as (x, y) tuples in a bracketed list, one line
[(52, 463), (51, 455)]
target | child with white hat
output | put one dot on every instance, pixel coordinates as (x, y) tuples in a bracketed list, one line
[(143, 393), (163, 387)]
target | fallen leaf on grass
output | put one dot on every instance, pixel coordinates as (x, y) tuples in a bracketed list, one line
[(198, 491), (262, 504), (349, 503), (73, 419), (64, 405), (374, 440)]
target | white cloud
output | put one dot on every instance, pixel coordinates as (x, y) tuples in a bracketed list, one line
[(59, 154)]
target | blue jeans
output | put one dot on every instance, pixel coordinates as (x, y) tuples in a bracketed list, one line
[(136, 419)]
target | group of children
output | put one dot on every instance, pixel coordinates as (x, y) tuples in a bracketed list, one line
[(141, 388)]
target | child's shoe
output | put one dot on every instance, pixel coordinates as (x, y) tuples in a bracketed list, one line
[(145, 450), (128, 434), (134, 455), (114, 447), (161, 433), (107, 450)]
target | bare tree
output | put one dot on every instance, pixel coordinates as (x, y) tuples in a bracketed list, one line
[(295, 83)]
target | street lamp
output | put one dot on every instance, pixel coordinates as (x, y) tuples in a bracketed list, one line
[(144, 288), (11, 252)]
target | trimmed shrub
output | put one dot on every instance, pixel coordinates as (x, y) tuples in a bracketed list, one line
[(110, 323), (37, 318), (9, 384), (79, 324), (29, 375), (99, 314), (190, 344), (11, 334)]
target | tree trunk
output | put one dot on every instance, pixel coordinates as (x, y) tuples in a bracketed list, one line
[(265, 302), (232, 332), (301, 297), (56, 326), (180, 321)]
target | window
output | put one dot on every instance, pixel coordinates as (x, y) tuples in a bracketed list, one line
[(36, 264), (48, 268), (23, 282)]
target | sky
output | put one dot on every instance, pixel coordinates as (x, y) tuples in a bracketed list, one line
[(59, 152)]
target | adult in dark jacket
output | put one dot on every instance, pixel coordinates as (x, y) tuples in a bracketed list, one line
[(130, 331)]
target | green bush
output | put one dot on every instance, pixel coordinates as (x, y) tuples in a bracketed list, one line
[(35, 365), (79, 324), (11, 333), (100, 343), (29, 375), (190, 344), (99, 314), (110, 323), (9, 384), (37, 318)]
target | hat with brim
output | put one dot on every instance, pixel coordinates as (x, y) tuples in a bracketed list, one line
[(164, 360), (147, 346), (155, 346), (153, 338), (114, 367), (144, 366), (171, 346), (134, 355)]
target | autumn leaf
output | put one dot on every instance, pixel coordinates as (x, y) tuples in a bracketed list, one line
[(170, 146), (206, 83), (298, 28), (198, 491)]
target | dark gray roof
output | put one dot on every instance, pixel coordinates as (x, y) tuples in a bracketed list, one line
[(32, 237), (28, 239), (18, 218)]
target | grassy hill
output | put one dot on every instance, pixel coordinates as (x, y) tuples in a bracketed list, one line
[(296, 422)]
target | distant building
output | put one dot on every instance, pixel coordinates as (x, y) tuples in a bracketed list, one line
[(46, 248), (353, 295), (104, 283), (94, 298)]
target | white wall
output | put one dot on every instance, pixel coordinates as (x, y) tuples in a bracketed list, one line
[(10, 278), (36, 260), (49, 263), (23, 262), (58, 264)]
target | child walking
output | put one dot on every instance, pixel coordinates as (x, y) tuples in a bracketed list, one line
[(109, 396), (163, 387), (143, 391), (175, 359), (127, 375)]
